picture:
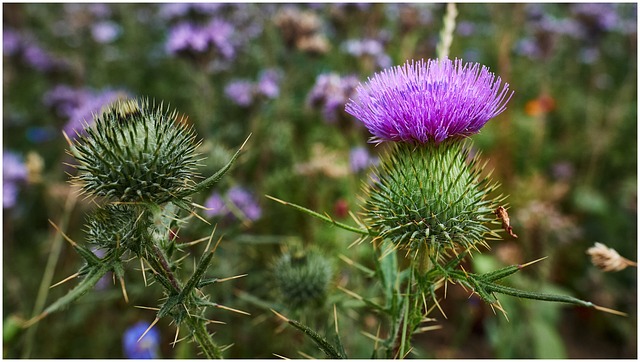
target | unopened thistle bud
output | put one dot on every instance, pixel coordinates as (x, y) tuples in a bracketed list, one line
[(115, 226), (303, 279), (136, 152), (429, 194)]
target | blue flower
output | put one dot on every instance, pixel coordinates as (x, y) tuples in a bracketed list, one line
[(147, 347)]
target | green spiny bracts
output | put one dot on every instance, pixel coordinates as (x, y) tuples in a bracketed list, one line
[(137, 152), (302, 279), (116, 226), (430, 196)]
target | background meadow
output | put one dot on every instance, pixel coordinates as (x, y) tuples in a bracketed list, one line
[(565, 151)]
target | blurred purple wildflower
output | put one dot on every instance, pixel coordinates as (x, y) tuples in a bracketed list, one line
[(14, 172), (176, 10), (330, 93), (269, 83), (79, 106), (11, 42), (360, 159), (215, 206), (105, 281), (240, 92), (237, 198), (372, 48), (147, 347), (600, 16), (105, 31), (429, 101), (245, 202), (187, 37), (38, 58), (243, 92)]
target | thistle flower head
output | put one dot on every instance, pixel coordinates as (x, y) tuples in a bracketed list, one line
[(302, 278), (429, 101), (136, 152)]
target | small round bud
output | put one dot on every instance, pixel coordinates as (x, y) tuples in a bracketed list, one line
[(302, 280), (115, 226), (136, 152)]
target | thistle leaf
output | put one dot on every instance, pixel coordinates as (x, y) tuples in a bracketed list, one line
[(329, 350), (213, 179), (322, 217)]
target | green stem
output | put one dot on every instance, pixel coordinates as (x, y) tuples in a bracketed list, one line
[(196, 325), (43, 291), (203, 338)]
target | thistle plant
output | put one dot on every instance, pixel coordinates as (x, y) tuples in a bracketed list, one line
[(138, 162), (430, 203)]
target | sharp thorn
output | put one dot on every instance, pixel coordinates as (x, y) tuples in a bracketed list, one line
[(73, 243), (280, 316), (65, 280), (148, 329), (607, 310), (149, 308), (521, 266), (232, 309), (231, 278)]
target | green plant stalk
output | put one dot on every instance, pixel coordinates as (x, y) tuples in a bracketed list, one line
[(43, 291), (203, 337), (196, 325)]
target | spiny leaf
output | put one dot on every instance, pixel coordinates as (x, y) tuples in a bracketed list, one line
[(210, 181), (85, 285), (321, 217), (329, 350)]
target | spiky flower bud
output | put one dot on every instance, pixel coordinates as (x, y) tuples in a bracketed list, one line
[(302, 279), (115, 226), (430, 196), (136, 152)]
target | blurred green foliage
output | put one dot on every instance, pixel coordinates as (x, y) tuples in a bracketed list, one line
[(565, 151)]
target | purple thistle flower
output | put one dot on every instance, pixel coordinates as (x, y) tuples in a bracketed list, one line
[(147, 347), (429, 101)]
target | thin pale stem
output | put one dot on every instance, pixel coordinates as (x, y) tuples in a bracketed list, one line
[(54, 255)]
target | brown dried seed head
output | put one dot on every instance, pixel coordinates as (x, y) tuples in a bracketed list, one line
[(608, 259)]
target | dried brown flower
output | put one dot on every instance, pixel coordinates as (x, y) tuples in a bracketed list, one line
[(608, 259), (502, 214)]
